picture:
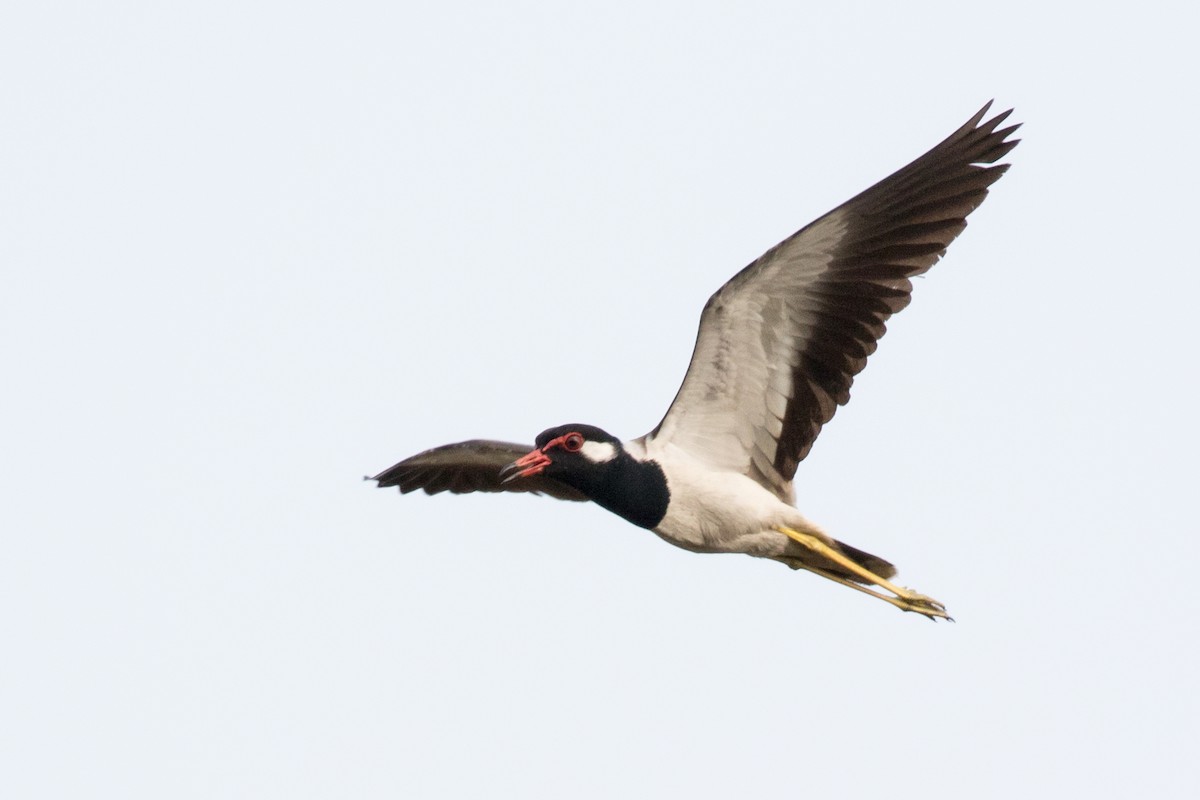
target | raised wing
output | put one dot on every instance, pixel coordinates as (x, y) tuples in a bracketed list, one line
[(780, 343), (472, 466)]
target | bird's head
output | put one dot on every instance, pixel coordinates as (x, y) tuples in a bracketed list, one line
[(596, 463), (574, 454)]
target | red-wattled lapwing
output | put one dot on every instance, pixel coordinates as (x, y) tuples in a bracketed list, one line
[(778, 347)]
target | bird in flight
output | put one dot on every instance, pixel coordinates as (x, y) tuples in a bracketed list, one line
[(778, 348)]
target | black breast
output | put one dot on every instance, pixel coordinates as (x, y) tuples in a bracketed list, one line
[(635, 490)]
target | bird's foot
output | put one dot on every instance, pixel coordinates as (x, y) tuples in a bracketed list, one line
[(920, 604), (903, 599)]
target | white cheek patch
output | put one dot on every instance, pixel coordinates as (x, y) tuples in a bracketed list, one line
[(598, 452)]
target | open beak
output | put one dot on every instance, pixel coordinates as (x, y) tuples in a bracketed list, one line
[(526, 466)]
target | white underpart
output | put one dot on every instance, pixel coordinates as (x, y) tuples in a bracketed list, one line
[(598, 452), (721, 511)]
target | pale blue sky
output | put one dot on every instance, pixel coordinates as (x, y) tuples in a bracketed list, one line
[(253, 251)]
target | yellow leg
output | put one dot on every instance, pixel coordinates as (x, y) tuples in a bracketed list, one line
[(905, 599)]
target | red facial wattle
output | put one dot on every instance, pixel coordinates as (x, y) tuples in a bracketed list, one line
[(535, 461)]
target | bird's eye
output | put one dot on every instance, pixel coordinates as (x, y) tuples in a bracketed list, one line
[(573, 442)]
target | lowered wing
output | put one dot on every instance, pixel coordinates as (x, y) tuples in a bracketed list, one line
[(472, 466)]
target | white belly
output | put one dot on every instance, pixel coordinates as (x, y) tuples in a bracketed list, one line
[(723, 512)]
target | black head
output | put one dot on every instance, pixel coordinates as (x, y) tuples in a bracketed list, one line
[(592, 443), (568, 451), (594, 461)]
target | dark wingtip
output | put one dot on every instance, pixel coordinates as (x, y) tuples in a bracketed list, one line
[(389, 477), (980, 114)]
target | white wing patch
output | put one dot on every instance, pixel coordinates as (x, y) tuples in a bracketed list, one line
[(729, 411)]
